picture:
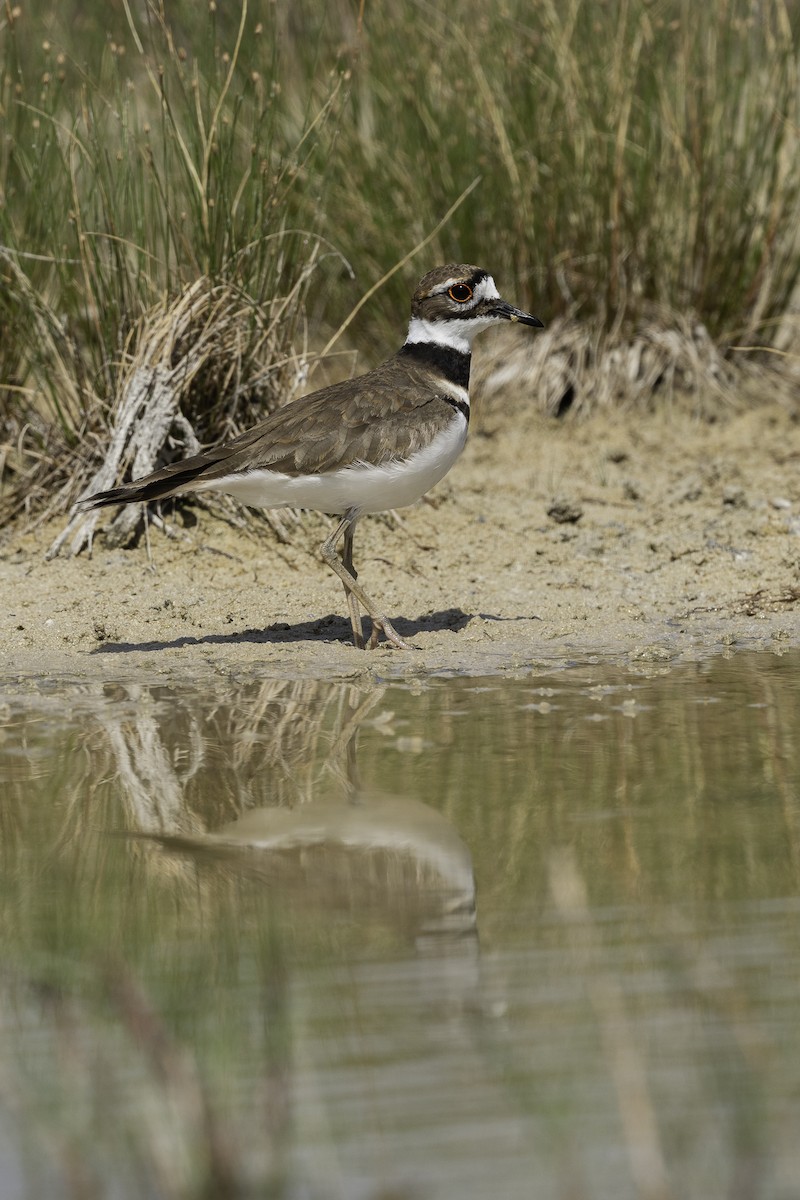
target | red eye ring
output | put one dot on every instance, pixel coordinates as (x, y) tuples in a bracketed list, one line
[(460, 292)]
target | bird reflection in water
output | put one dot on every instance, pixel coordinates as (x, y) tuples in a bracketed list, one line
[(323, 839)]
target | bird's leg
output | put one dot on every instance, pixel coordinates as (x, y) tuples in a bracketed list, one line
[(352, 602), (343, 567)]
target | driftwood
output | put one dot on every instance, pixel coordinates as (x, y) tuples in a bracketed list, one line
[(212, 338), (144, 419)]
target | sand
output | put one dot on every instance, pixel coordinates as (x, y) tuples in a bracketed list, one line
[(640, 538)]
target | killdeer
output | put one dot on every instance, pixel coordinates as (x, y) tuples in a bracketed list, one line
[(366, 445)]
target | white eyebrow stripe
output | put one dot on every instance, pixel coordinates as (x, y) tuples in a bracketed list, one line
[(485, 289), (448, 283), (445, 287)]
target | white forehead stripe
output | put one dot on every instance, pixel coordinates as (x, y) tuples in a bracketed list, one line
[(487, 289)]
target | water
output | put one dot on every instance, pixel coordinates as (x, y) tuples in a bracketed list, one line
[(450, 938)]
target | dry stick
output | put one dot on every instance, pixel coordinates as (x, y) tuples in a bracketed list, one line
[(767, 350)]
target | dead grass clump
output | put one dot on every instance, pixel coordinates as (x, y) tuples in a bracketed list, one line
[(575, 366), (208, 363), (153, 182)]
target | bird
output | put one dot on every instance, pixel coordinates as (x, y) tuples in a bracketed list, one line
[(376, 442)]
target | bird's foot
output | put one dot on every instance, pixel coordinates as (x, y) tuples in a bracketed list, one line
[(384, 625)]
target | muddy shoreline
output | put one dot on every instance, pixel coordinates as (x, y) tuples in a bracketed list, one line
[(643, 539)]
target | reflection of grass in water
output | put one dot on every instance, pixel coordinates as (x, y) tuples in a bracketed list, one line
[(687, 800), (132, 1006), (650, 797), (146, 992), (164, 978), (188, 760), (701, 992), (156, 989)]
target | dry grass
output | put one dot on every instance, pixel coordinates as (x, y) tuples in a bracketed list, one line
[(212, 352), (574, 366), (154, 269)]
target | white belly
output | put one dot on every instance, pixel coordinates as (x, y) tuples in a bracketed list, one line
[(366, 488)]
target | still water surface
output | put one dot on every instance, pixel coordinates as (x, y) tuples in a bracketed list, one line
[(529, 937)]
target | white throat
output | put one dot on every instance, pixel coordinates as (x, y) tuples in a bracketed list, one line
[(454, 335)]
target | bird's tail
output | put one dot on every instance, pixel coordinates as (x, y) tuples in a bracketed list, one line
[(169, 481)]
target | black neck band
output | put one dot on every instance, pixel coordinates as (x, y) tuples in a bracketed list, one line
[(444, 361)]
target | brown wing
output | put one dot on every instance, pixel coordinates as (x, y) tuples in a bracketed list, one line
[(388, 413)]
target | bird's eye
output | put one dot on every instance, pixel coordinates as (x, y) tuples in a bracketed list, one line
[(460, 292)]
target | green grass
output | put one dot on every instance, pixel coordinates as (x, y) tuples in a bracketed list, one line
[(632, 155), (635, 162), (128, 179)]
